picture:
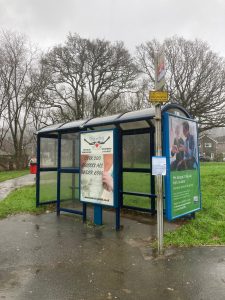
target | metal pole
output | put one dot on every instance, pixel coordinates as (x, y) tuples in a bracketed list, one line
[(58, 175), (158, 148), (38, 172), (73, 165), (152, 153), (159, 192)]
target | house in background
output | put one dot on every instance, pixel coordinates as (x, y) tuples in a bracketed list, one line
[(221, 146), (212, 147)]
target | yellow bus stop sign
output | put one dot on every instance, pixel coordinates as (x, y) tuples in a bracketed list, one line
[(158, 96)]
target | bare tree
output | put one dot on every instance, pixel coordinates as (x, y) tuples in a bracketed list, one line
[(41, 99), (110, 72), (65, 68), (17, 76), (87, 76), (4, 88), (138, 98), (195, 77)]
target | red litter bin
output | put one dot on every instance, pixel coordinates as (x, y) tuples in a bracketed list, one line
[(33, 166)]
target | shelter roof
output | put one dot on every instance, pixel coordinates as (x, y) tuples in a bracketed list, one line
[(136, 119)]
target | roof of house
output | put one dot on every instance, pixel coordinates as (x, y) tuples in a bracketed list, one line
[(214, 139), (220, 139)]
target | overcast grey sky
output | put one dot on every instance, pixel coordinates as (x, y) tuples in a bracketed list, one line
[(47, 22)]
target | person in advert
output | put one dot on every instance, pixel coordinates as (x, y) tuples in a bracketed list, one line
[(107, 175), (189, 148), (176, 149)]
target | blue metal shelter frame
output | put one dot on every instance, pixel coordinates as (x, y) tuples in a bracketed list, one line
[(127, 124)]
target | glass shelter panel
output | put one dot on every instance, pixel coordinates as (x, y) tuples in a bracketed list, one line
[(136, 182), (69, 191), (48, 186), (48, 152), (70, 150), (134, 125), (136, 151), (137, 201)]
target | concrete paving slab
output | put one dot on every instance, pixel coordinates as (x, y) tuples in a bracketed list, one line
[(50, 257)]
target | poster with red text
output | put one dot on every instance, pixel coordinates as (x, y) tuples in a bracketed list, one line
[(96, 167)]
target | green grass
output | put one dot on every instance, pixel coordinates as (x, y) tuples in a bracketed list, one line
[(6, 175), (209, 226), (20, 201), (136, 182)]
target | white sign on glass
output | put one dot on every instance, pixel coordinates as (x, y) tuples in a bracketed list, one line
[(159, 165)]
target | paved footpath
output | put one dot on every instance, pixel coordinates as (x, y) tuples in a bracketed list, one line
[(49, 257), (60, 258), (8, 186)]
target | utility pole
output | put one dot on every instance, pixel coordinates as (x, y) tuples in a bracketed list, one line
[(158, 182), (158, 94)]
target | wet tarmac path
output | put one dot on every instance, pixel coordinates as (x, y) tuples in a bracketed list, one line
[(6, 187), (49, 257)]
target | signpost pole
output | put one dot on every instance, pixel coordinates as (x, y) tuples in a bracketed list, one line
[(159, 192), (159, 84)]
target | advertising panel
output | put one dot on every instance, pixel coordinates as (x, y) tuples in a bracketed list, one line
[(182, 182), (97, 167)]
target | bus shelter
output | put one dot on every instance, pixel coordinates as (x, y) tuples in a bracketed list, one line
[(59, 166)]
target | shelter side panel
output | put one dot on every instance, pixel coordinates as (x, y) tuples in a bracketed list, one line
[(183, 178)]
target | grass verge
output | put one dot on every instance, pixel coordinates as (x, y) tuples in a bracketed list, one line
[(209, 226), (6, 175), (20, 201)]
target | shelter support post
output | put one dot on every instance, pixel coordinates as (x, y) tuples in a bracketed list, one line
[(38, 173), (97, 214), (152, 178), (59, 174), (73, 174), (84, 212)]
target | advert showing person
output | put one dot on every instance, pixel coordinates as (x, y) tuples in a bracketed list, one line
[(96, 167), (184, 166)]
